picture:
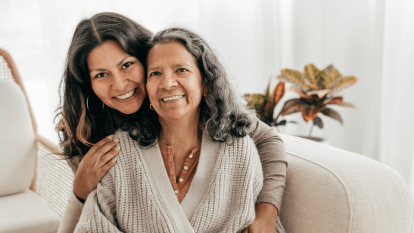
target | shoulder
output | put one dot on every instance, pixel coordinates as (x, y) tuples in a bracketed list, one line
[(241, 146), (129, 151), (245, 141)]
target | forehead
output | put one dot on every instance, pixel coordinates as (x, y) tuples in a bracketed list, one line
[(107, 52), (169, 52)]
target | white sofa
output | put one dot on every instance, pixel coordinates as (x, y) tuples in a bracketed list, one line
[(333, 190)]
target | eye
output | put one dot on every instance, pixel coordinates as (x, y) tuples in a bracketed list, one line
[(182, 70), (100, 75), (126, 65), (155, 73)]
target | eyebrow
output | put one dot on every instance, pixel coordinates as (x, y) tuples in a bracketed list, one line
[(181, 64), (153, 68), (101, 69), (123, 59), (175, 65)]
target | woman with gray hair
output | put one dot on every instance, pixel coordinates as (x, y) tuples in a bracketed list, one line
[(201, 138)]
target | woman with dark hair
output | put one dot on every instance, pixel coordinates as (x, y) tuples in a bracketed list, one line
[(203, 126), (103, 89)]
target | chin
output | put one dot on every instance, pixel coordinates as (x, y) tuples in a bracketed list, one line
[(129, 110)]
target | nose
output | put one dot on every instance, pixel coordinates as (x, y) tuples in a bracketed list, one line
[(168, 81), (119, 82)]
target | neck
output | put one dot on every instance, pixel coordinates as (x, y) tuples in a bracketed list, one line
[(175, 132), (117, 118)]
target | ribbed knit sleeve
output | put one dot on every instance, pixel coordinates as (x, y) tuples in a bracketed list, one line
[(99, 211), (274, 164)]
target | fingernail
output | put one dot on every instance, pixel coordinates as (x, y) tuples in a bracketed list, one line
[(116, 140), (110, 137), (117, 148), (113, 160)]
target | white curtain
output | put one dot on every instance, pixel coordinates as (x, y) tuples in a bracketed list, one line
[(370, 39), (373, 40)]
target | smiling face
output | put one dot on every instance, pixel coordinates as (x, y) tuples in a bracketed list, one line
[(174, 82), (117, 78)]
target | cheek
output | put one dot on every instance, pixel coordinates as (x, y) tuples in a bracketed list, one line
[(151, 89), (100, 91), (138, 75)]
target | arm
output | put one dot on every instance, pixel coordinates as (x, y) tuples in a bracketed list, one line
[(274, 163), (71, 215), (88, 172)]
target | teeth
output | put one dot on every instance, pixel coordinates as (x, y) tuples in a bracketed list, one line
[(172, 98), (125, 96)]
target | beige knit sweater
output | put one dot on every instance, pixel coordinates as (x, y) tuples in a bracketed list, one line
[(136, 194)]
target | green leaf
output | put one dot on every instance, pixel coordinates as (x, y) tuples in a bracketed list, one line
[(313, 76), (255, 100), (294, 77), (330, 74), (342, 83)]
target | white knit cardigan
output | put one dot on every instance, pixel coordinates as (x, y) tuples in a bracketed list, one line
[(136, 194)]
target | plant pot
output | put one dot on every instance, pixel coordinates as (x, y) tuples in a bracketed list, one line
[(316, 139)]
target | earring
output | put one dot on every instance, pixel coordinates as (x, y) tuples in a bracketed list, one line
[(90, 112), (151, 107)]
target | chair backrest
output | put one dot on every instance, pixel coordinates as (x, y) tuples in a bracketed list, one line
[(8, 71), (17, 140), (17, 131)]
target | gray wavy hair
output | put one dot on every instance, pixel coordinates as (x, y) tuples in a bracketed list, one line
[(224, 111)]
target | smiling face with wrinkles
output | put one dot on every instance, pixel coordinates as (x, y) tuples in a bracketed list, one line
[(174, 82), (117, 78)]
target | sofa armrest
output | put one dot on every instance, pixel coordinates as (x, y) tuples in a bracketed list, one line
[(54, 177), (333, 190)]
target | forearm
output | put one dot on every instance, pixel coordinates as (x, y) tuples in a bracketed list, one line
[(274, 164), (71, 216)]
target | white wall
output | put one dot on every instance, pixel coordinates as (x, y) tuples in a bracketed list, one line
[(370, 39)]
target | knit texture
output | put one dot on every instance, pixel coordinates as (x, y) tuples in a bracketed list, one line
[(130, 198)]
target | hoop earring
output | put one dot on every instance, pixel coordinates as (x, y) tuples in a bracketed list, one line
[(151, 107), (90, 112)]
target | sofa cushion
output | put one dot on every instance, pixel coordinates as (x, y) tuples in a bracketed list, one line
[(17, 140), (27, 212), (333, 190)]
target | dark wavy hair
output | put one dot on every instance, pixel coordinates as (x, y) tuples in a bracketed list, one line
[(223, 110), (78, 127)]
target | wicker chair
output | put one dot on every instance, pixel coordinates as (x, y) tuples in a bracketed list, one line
[(35, 180)]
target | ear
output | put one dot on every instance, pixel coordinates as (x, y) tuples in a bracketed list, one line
[(205, 90)]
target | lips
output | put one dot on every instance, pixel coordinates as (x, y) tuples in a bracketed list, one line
[(126, 95), (170, 98)]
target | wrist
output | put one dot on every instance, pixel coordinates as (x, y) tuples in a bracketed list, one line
[(79, 198), (266, 210)]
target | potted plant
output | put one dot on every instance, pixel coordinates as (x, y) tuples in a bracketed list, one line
[(264, 104), (317, 90)]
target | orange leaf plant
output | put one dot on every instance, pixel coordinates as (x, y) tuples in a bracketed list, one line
[(316, 89), (264, 104)]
